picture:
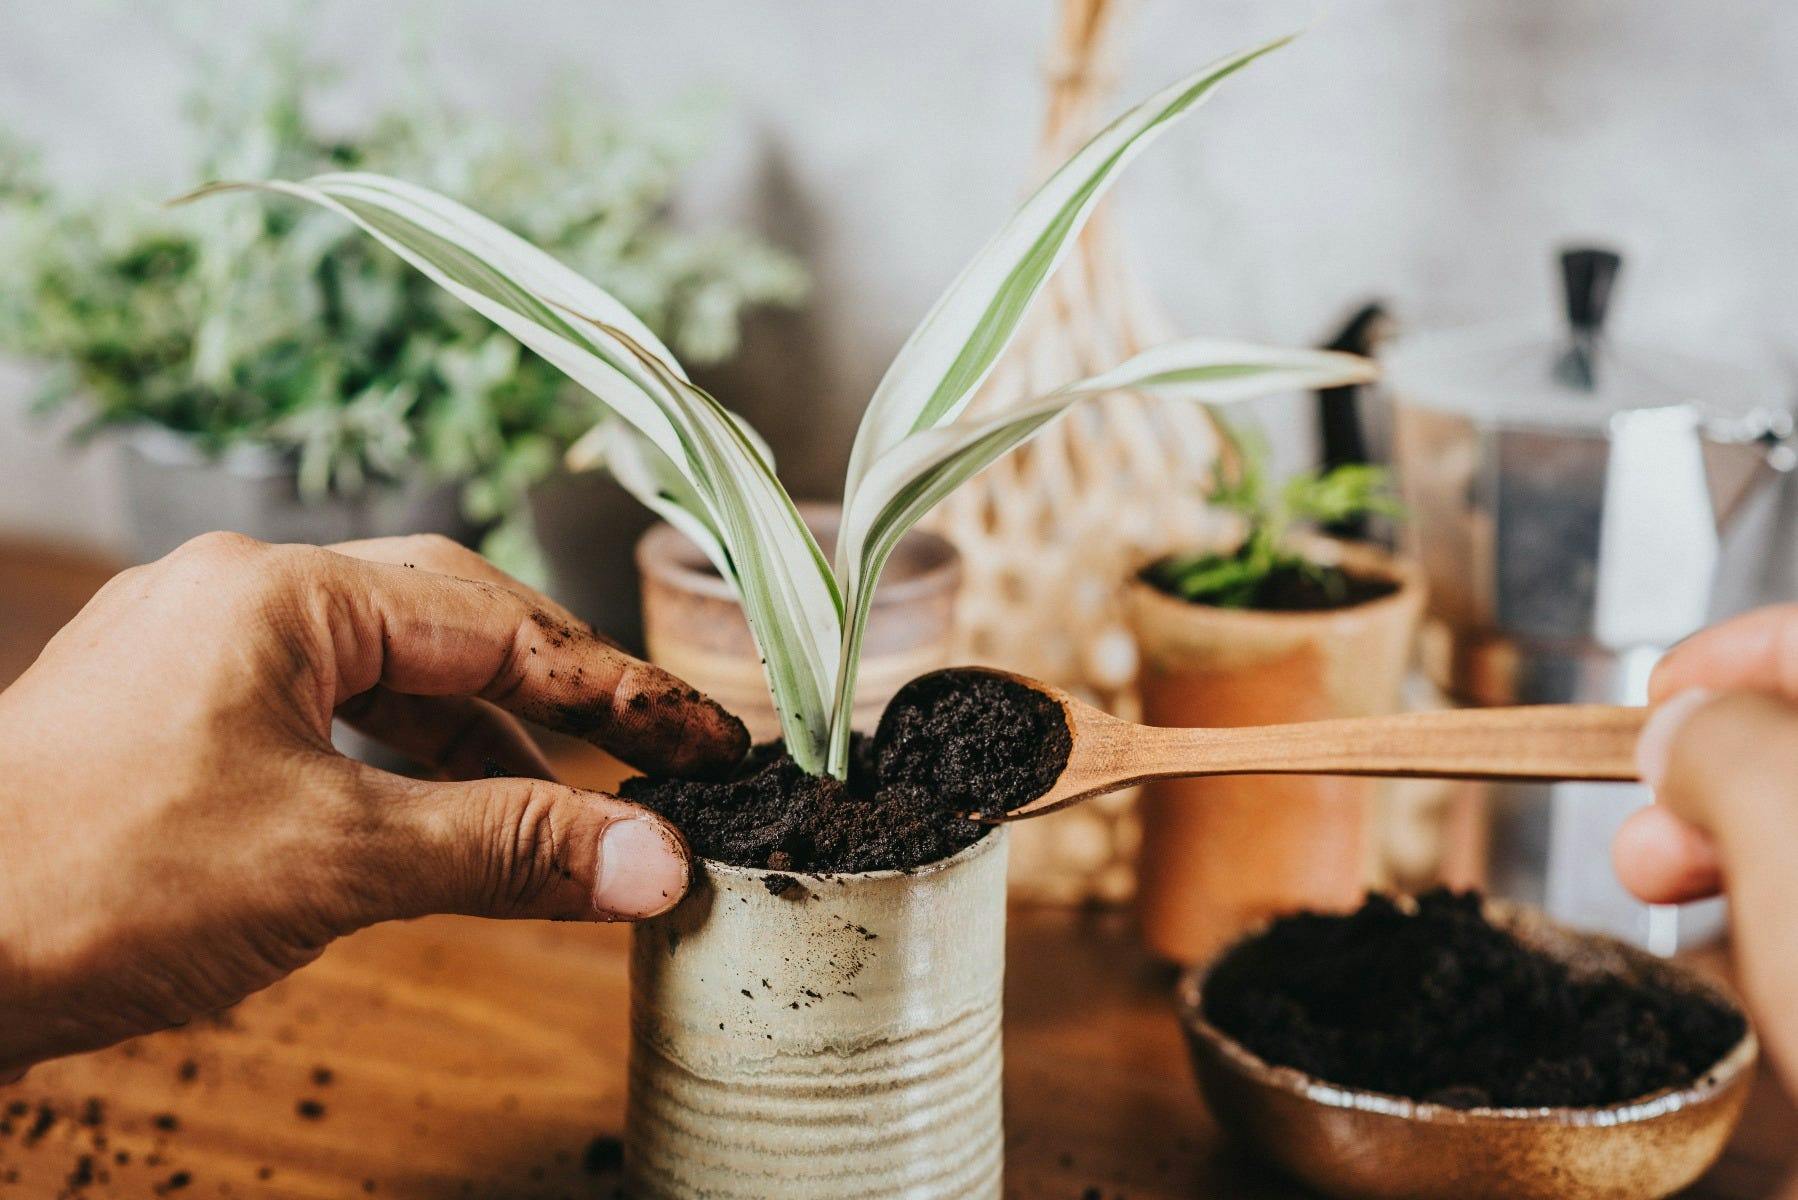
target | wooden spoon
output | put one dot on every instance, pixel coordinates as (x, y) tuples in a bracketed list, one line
[(1537, 742)]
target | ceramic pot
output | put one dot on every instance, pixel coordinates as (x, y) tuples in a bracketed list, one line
[(693, 627), (1362, 1145), (587, 527), (173, 491), (1219, 856), (838, 1039)]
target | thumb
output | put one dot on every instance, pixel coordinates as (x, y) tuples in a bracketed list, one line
[(524, 848), (1726, 764)]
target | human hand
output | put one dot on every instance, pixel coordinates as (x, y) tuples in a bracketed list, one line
[(1721, 752), (177, 832)]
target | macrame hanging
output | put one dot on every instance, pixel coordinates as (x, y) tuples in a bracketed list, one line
[(1048, 533)]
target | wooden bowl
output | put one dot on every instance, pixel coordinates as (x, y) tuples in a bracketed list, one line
[(1363, 1145)]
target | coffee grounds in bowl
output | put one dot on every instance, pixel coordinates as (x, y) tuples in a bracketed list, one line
[(1439, 1004), (949, 745)]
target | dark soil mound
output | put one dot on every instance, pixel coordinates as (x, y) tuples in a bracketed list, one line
[(949, 745), (978, 742), (1285, 589), (772, 814), (1441, 1005)]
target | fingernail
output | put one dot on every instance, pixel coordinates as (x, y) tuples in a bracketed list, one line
[(642, 869), (1654, 746)]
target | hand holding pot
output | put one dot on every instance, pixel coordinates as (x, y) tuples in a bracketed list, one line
[(1721, 752), (177, 832)]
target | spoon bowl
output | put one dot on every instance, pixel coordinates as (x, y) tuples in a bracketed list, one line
[(1362, 1145)]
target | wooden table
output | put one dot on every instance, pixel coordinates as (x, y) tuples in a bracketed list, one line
[(458, 1058)]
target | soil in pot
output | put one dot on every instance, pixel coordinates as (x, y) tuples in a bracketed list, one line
[(1439, 1004), (1312, 588), (962, 744)]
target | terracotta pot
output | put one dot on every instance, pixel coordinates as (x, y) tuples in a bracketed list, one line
[(1219, 856), (839, 1039), (693, 626)]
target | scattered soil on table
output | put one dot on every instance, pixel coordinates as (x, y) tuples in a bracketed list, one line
[(949, 745), (1441, 1005), (1291, 589)]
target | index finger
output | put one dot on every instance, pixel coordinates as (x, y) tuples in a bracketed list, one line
[(1757, 651), (423, 633)]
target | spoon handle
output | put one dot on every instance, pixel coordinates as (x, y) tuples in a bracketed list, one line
[(1536, 742)]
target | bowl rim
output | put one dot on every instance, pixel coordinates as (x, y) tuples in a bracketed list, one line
[(1729, 1071)]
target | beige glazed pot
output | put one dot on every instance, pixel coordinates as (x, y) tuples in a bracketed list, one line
[(838, 1039), (1220, 856), (693, 626)]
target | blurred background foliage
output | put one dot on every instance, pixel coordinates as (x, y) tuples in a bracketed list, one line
[(279, 326)]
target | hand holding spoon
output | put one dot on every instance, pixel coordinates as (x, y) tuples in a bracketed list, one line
[(1539, 742)]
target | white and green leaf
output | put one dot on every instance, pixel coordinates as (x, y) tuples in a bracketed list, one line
[(914, 476), (727, 481), (950, 353)]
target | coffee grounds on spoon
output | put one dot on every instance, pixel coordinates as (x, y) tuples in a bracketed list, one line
[(1441, 1005), (949, 745)]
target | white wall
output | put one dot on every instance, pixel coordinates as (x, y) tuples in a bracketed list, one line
[(1428, 151)]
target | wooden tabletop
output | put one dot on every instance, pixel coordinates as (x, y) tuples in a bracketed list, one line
[(450, 1058)]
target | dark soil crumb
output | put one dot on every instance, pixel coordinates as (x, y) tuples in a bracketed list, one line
[(40, 1124), (323, 1076), (975, 741), (188, 1071), (779, 885), (1441, 1005), (310, 1110), (602, 1156), (83, 1174), (175, 1182), (772, 814), (1288, 589), (167, 1122)]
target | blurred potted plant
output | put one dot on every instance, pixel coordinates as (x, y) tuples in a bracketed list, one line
[(276, 373), (1274, 626)]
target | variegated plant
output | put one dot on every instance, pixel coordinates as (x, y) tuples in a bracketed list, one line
[(703, 469)]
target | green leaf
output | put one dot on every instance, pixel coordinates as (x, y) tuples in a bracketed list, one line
[(951, 351)]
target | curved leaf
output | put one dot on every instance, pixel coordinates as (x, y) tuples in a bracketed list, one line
[(726, 485), (951, 351)]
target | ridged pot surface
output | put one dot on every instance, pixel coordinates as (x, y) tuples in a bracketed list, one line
[(839, 1039)]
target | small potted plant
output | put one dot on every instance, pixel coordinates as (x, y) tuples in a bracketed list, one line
[(1273, 626), (820, 1017), (276, 373)]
